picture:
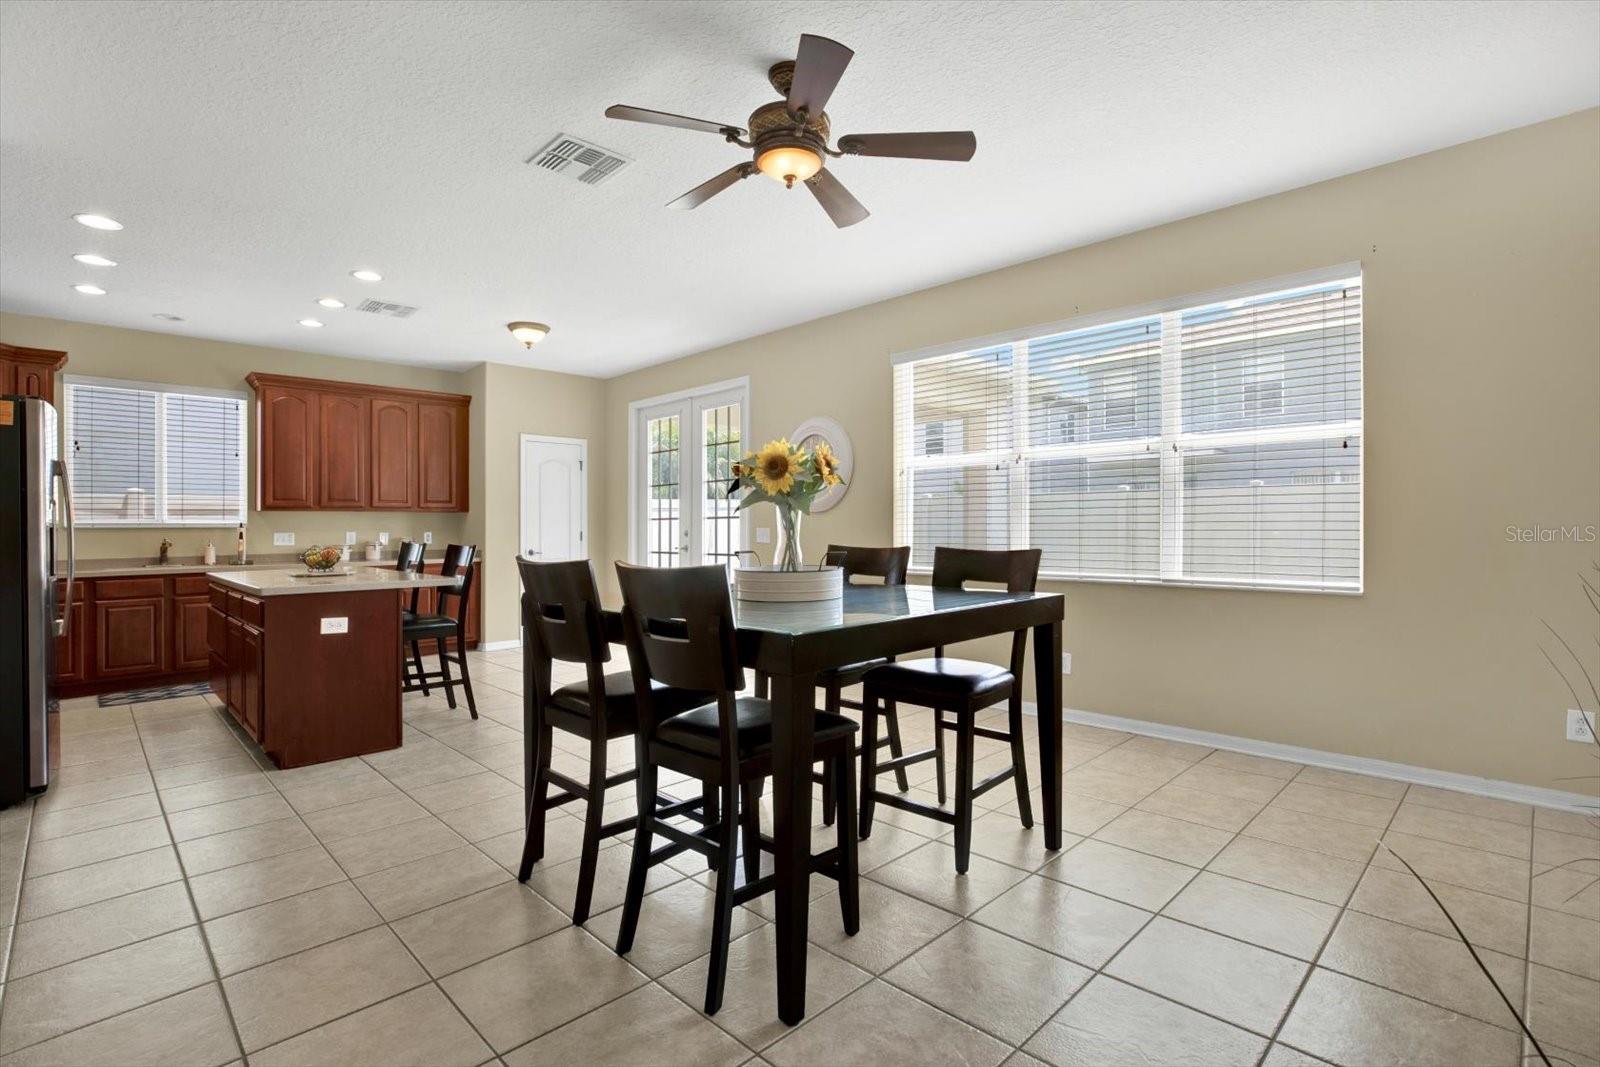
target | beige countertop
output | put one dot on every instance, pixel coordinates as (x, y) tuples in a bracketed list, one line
[(143, 568), (288, 581)]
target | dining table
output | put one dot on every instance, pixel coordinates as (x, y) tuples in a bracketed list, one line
[(787, 644)]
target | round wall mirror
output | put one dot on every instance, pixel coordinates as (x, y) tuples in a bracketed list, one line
[(822, 430)]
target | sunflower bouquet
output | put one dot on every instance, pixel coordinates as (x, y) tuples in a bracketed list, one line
[(789, 479)]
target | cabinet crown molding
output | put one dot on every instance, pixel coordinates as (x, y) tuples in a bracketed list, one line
[(257, 379), (45, 356)]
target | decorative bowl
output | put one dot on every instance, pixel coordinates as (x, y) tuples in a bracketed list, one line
[(772, 585), (318, 558)]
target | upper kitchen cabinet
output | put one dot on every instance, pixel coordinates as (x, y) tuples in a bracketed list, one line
[(442, 453), (29, 371), (340, 446)]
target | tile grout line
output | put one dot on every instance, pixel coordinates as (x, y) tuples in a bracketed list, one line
[(16, 907)]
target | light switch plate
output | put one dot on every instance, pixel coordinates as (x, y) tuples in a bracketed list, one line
[(337, 624), (349, 537), (427, 537), (763, 535), (283, 538), (383, 537), (1066, 663)]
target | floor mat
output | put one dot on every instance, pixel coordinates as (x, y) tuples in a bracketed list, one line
[(155, 692)]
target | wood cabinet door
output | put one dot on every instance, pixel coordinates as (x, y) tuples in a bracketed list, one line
[(8, 377), (235, 662), (191, 643), (72, 648), (33, 380), (286, 472), (394, 454), (251, 679), (130, 637), (343, 436), (442, 457), (217, 644)]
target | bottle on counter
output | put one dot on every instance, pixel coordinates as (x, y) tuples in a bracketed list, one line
[(239, 549), (210, 556)]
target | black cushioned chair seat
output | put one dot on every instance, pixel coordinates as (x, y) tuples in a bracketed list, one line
[(416, 626), (697, 730), (622, 712), (940, 677)]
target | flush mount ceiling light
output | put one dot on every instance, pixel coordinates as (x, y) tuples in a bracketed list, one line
[(331, 302), (529, 333), (312, 324), (90, 290), (92, 260), (98, 222), (364, 275)]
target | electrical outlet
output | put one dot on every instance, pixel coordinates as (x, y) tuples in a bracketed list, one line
[(1580, 726), (349, 537), (1066, 663), (427, 537), (383, 537), (763, 535), (283, 538)]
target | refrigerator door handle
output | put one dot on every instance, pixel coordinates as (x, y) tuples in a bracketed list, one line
[(72, 549)]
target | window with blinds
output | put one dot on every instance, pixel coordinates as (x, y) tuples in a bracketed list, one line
[(142, 455), (1209, 441)]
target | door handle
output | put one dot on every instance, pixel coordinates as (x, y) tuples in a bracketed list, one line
[(72, 549)]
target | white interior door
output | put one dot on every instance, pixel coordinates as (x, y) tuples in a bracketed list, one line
[(684, 446), (554, 495)]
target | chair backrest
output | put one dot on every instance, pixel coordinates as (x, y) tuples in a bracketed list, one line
[(561, 611), (458, 560), (890, 564), (1017, 569), (409, 557), (679, 626)]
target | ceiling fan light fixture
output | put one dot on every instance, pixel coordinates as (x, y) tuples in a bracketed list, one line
[(789, 163), (529, 333)]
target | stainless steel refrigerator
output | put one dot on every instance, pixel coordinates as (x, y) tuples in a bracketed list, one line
[(32, 615)]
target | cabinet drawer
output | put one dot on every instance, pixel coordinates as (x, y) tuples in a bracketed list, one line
[(219, 598), (127, 588), (249, 609), (190, 585)]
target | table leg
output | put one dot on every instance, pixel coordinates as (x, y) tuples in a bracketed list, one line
[(793, 721), (1047, 694)]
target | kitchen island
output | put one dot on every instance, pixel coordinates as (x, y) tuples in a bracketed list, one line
[(310, 666)]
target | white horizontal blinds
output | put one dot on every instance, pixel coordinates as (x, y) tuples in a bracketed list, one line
[(142, 456), (1093, 500), (111, 451), (204, 439), (1271, 441), (958, 443)]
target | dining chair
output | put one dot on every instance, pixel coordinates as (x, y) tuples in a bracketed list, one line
[(680, 631), (958, 688), (561, 622), (440, 626), (409, 558), (889, 564)]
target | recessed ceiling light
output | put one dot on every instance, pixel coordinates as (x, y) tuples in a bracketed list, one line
[(168, 317), (366, 275), (98, 222), (331, 302), (90, 259), (90, 290), (312, 323)]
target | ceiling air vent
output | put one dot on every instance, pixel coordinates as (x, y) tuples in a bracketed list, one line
[(588, 163), (394, 311)]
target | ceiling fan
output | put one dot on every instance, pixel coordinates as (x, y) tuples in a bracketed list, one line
[(789, 137)]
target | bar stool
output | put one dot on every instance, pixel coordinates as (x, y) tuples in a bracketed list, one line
[(442, 626), (680, 631), (409, 558), (959, 688), (561, 620)]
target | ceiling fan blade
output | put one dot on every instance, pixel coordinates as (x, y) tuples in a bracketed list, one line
[(666, 118), (842, 208), (958, 146), (818, 67), (706, 190)]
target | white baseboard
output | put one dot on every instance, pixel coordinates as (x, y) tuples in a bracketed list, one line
[(498, 646), (1400, 772)]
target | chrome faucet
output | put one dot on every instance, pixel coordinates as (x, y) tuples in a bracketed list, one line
[(166, 546)]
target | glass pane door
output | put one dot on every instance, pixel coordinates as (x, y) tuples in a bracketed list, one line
[(663, 544), (720, 445), (686, 448)]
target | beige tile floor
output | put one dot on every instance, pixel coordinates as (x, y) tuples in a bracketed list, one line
[(183, 902)]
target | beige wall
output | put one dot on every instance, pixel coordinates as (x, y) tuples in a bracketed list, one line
[(507, 401), (1482, 348)]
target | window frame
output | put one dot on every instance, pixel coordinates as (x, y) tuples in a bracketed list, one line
[(693, 402), (1172, 442), (163, 390)]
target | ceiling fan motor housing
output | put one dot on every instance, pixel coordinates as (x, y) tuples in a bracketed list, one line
[(771, 126)]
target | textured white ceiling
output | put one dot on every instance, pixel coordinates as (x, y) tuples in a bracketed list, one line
[(257, 152)]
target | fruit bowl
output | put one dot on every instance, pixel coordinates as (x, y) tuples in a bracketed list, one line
[(319, 559)]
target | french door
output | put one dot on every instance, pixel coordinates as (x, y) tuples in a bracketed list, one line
[(684, 446)]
